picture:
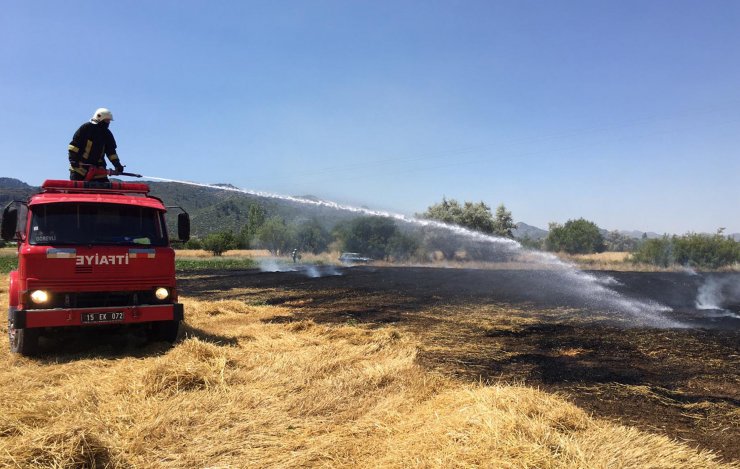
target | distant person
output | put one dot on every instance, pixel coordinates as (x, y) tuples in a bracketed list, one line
[(90, 144), (295, 255)]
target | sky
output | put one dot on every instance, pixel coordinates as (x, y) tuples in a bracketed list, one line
[(625, 113)]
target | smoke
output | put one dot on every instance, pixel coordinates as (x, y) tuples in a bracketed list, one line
[(591, 289), (719, 294), (270, 264), (313, 271)]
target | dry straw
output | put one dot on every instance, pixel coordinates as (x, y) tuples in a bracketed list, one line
[(247, 390)]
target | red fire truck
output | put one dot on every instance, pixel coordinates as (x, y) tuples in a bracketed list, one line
[(91, 254)]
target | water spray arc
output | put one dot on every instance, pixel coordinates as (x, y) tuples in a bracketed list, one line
[(594, 290)]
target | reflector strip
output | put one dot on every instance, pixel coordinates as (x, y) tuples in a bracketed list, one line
[(88, 147), (61, 253), (141, 253)]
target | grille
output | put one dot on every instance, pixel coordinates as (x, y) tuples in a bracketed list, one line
[(101, 299)]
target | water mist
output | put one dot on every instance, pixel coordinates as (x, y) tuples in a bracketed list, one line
[(594, 291)]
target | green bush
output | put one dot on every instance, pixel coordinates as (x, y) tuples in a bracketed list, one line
[(708, 251), (690, 250), (575, 237), (218, 243), (193, 243), (657, 251)]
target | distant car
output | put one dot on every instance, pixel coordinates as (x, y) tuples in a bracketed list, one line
[(353, 258)]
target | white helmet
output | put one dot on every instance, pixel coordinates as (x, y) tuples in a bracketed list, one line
[(102, 114)]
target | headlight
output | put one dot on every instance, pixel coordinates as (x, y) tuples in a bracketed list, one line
[(161, 293), (39, 297)]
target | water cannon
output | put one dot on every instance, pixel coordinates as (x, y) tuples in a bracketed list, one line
[(93, 171)]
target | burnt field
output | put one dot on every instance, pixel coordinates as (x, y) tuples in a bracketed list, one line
[(529, 327)]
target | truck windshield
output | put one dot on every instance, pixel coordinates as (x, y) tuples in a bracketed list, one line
[(92, 223)]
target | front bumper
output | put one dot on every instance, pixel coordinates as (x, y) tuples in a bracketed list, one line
[(62, 317)]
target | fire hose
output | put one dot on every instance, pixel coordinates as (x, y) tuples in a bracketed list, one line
[(93, 171)]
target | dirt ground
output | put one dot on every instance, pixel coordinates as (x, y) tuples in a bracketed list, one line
[(528, 327)]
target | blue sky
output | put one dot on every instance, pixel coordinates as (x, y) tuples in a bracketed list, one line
[(625, 113)]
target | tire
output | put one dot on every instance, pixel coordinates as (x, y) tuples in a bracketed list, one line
[(164, 331), (24, 341)]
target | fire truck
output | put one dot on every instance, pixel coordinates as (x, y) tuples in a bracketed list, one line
[(91, 254)]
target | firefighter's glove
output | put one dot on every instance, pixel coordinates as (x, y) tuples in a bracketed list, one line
[(74, 164), (119, 168)]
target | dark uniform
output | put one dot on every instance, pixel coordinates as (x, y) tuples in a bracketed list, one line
[(90, 144)]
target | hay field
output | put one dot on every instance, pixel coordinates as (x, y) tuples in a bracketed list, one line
[(248, 388)]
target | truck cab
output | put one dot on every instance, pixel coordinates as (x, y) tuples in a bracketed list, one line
[(90, 255)]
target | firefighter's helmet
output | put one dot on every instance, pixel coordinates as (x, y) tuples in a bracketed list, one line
[(102, 114)]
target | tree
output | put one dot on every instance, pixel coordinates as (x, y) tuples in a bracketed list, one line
[(401, 246), (477, 217), (503, 223), (618, 242), (368, 235), (691, 249), (313, 237), (275, 236), (531, 243), (255, 218), (575, 237), (193, 243), (658, 251), (444, 241), (706, 251), (220, 242)]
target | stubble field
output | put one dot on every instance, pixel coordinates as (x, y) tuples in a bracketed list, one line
[(378, 367)]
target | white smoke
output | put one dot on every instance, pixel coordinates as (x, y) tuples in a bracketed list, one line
[(715, 294), (271, 264)]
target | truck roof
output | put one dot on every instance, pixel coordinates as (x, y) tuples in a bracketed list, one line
[(57, 191)]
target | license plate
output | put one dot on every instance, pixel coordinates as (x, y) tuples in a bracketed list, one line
[(111, 316)]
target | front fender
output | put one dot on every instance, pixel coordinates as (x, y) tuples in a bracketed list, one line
[(13, 298)]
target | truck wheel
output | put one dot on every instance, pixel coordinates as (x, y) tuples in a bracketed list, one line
[(24, 341), (165, 331)]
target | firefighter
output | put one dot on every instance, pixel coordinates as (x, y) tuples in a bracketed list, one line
[(90, 144)]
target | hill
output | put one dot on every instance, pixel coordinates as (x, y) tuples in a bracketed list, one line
[(210, 208), (13, 189), (214, 209), (523, 230)]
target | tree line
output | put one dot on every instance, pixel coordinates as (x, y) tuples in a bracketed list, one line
[(382, 238)]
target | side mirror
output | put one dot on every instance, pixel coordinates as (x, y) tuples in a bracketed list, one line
[(10, 222), (183, 227)]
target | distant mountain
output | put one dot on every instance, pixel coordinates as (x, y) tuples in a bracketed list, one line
[(10, 183), (523, 230), (13, 189), (213, 209)]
